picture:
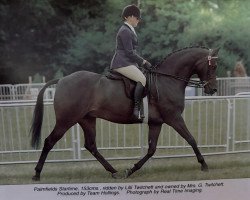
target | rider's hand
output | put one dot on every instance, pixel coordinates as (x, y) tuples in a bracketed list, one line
[(147, 65)]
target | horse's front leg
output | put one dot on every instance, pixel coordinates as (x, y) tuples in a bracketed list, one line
[(179, 125), (154, 131)]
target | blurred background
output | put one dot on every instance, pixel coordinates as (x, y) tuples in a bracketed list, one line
[(53, 38)]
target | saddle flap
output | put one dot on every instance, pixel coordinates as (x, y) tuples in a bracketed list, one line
[(129, 85)]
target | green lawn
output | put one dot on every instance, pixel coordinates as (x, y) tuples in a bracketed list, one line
[(156, 170)]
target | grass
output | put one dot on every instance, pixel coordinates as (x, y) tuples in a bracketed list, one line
[(164, 170)]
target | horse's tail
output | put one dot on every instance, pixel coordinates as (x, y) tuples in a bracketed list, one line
[(37, 120)]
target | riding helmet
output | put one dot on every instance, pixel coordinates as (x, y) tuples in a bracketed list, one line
[(131, 10)]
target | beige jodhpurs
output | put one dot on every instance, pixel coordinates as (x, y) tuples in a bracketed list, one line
[(133, 73)]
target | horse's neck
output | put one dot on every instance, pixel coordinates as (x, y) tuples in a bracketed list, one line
[(177, 67), (181, 63)]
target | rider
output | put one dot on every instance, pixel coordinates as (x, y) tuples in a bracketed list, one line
[(126, 60)]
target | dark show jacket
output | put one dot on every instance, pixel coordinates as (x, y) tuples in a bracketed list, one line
[(125, 54)]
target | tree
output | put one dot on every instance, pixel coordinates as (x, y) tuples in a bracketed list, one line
[(28, 44), (58, 37), (221, 24), (92, 45)]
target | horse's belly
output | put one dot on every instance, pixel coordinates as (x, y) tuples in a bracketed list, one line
[(111, 102)]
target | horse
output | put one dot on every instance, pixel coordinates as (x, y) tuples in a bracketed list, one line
[(83, 96)]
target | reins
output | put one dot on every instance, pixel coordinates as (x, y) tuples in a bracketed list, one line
[(152, 80), (190, 82), (152, 76)]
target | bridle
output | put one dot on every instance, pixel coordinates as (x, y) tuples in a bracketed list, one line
[(152, 75), (190, 83)]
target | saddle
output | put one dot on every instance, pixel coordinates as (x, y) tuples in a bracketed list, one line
[(129, 85)]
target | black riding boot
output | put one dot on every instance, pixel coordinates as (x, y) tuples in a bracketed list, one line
[(139, 88)]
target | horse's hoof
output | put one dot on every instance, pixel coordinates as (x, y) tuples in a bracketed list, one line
[(128, 172), (36, 178), (204, 167), (117, 175)]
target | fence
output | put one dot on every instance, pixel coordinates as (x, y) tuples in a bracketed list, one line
[(226, 87), (24, 91), (219, 125), (229, 86), (232, 86)]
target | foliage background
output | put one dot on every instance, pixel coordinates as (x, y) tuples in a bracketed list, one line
[(53, 38)]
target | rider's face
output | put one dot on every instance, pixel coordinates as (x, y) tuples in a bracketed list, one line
[(132, 20)]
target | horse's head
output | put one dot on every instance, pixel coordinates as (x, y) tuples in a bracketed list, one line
[(206, 70)]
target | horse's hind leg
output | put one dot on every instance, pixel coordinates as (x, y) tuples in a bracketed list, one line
[(49, 142), (88, 125), (180, 126)]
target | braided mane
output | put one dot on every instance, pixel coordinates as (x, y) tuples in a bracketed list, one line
[(202, 47)]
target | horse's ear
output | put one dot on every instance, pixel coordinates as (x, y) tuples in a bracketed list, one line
[(215, 51)]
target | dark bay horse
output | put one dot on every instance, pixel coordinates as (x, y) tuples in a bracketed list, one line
[(84, 96)]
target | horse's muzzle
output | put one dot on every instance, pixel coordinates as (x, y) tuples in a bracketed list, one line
[(210, 87), (214, 90), (209, 90)]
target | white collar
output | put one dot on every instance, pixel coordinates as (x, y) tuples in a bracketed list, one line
[(131, 27)]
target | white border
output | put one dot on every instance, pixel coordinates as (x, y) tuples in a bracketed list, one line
[(223, 189)]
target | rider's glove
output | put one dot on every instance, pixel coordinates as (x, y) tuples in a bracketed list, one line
[(147, 65)]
